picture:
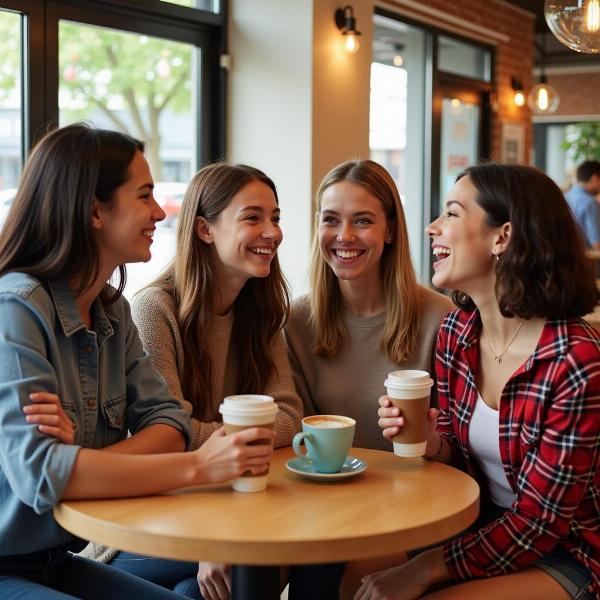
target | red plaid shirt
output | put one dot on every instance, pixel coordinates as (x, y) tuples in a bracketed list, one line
[(549, 444)]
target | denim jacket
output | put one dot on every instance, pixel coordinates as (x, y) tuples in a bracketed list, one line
[(104, 379)]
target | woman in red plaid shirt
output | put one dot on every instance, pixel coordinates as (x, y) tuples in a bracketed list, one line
[(518, 376)]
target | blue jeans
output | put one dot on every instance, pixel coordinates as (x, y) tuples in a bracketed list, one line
[(56, 574), (175, 575)]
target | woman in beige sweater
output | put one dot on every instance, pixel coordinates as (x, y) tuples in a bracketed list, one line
[(365, 314), (212, 322)]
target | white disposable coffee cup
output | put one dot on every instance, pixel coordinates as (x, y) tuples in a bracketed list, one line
[(410, 391), (241, 412)]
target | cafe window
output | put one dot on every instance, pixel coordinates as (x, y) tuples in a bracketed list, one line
[(147, 69)]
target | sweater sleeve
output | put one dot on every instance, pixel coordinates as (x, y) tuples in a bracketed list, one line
[(154, 314), (281, 387)]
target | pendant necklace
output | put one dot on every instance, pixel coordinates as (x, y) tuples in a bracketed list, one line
[(498, 357)]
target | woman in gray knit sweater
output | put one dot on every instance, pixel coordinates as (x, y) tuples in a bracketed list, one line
[(365, 314), (212, 323)]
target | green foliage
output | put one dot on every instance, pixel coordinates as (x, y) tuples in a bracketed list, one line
[(10, 37), (583, 141)]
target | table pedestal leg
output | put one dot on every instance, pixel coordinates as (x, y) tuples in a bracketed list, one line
[(255, 583)]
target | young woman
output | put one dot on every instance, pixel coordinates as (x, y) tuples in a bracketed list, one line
[(72, 368), (212, 322), (365, 314), (519, 392)]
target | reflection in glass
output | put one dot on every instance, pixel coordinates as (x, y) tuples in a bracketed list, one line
[(396, 141), (464, 59)]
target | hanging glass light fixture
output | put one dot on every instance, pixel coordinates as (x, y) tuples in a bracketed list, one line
[(543, 99), (575, 23)]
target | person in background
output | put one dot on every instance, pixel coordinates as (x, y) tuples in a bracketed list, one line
[(584, 205), (365, 315), (74, 378), (212, 323), (518, 375)]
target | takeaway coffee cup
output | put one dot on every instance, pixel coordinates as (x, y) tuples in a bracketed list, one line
[(327, 438), (241, 412), (410, 391)]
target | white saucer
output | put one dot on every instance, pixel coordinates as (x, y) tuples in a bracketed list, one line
[(303, 466)]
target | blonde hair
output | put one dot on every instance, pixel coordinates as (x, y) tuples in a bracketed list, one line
[(397, 273), (260, 309)]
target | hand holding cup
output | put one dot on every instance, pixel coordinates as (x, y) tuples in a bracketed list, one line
[(391, 421)]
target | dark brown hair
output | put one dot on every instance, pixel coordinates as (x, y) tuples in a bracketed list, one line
[(544, 271), (259, 311), (48, 231)]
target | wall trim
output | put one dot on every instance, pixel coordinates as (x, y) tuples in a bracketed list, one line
[(565, 118), (437, 18)]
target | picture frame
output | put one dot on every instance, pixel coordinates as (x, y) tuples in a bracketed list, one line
[(512, 144)]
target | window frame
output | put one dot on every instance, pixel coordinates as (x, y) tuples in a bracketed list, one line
[(40, 75)]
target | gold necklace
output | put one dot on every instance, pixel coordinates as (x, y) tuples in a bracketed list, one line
[(498, 357)]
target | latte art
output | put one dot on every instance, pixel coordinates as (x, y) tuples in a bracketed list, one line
[(328, 424)]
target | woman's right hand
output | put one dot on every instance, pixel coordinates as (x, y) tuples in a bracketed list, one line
[(214, 580), (391, 421), (47, 413), (224, 457)]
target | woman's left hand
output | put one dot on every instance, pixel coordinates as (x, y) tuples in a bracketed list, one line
[(47, 413), (404, 582)]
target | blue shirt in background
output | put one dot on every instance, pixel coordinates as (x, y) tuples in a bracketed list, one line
[(586, 211), (106, 383)]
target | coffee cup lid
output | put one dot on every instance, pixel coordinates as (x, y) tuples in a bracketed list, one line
[(249, 404), (410, 378)]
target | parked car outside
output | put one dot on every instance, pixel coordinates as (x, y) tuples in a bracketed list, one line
[(6, 200), (169, 195)]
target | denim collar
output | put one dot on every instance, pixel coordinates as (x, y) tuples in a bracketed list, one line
[(69, 316)]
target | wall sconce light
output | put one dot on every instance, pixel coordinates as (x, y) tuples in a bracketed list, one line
[(519, 96), (398, 59), (575, 23), (345, 20)]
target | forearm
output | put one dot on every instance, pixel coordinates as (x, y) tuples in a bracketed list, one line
[(99, 474), (155, 439), (432, 563)]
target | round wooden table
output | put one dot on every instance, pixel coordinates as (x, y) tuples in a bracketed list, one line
[(396, 504)]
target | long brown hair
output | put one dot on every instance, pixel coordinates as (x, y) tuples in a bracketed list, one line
[(397, 273), (544, 271), (260, 310), (48, 231)]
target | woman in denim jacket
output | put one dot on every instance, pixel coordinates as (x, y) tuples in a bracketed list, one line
[(74, 378)]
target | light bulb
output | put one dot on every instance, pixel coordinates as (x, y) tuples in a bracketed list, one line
[(351, 43), (519, 98), (575, 23), (592, 15), (543, 99), (398, 60)]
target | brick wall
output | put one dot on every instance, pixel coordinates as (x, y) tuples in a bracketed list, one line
[(579, 93), (513, 58)]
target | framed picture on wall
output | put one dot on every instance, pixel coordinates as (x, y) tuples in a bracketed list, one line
[(512, 149)]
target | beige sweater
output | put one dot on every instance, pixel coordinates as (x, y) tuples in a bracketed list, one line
[(351, 382), (154, 313)]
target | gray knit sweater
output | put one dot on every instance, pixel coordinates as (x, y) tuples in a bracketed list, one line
[(351, 382), (154, 313)]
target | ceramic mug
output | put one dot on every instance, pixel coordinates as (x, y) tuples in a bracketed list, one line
[(328, 439)]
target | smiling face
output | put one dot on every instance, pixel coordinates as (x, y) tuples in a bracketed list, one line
[(124, 229), (462, 243), (246, 234), (352, 231)]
